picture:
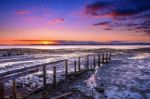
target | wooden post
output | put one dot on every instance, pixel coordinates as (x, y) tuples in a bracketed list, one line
[(75, 66), (79, 64), (54, 76), (103, 58), (106, 58), (66, 68), (110, 56), (44, 75), (2, 90), (87, 61), (94, 61), (14, 90), (98, 59)]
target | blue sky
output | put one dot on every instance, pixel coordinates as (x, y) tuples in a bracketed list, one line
[(78, 20)]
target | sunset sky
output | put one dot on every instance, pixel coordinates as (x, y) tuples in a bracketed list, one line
[(46, 21)]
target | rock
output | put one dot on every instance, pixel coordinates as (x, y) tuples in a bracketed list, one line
[(102, 84), (106, 96), (99, 89), (27, 84), (8, 54), (4, 55), (19, 85), (34, 85), (75, 89), (84, 83)]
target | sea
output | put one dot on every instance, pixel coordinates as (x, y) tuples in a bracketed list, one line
[(75, 46)]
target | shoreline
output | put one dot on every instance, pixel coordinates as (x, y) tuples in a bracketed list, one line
[(44, 47), (133, 56)]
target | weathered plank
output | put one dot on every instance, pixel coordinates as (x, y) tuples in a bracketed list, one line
[(15, 75), (54, 76), (99, 59), (27, 68), (14, 90), (66, 68), (1, 90), (94, 61), (79, 67), (110, 56), (87, 62), (103, 58), (63, 96), (9, 75), (44, 75), (75, 66)]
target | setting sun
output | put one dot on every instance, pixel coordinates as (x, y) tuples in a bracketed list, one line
[(46, 42)]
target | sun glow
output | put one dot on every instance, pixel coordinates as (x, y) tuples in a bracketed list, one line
[(47, 42)]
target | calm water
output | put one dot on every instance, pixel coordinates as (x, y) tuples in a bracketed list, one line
[(78, 46)]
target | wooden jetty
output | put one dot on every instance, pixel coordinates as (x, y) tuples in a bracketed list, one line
[(97, 60)]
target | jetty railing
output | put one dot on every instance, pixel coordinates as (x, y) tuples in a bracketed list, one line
[(78, 64)]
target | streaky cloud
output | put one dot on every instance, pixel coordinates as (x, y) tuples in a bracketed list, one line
[(22, 12), (101, 23), (56, 21), (132, 15)]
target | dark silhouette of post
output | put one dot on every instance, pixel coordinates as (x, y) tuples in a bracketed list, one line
[(66, 68), (44, 75), (2, 90), (75, 66), (79, 68), (54, 76), (98, 59), (87, 62), (103, 58), (14, 90), (94, 61), (110, 56), (106, 58)]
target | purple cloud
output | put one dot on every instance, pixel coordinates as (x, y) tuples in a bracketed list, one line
[(56, 21), (22, 12), (131, 15), (101, 23)]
